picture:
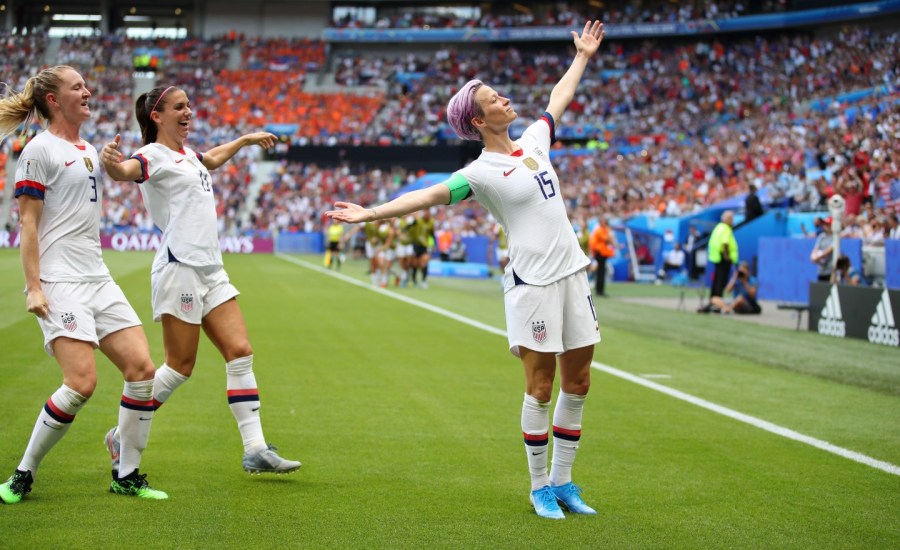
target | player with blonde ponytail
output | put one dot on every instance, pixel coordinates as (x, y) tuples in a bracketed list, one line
[(67, 285)]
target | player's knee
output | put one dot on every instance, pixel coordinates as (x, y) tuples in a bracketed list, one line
[(83, 383), (238, 350), (577, 387), (138, 370), (541, 390), (182, 365)]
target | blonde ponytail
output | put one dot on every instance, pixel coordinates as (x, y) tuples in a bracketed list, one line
[(31, 104)]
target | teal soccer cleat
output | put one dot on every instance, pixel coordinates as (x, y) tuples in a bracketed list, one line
[(569, 495), (545, 505)]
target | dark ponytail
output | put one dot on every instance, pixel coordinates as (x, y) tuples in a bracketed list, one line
[(145, 105)]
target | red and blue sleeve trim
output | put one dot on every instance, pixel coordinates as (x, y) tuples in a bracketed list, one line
[(238, 396), (30, 188), (548, 118), (200, 157), (145, 168)]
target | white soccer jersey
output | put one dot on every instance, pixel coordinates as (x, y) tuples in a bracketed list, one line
[(67, 178), (523, 193), (178, 193)]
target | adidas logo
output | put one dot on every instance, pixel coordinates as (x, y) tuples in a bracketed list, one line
[(883, 330), (831, 321)]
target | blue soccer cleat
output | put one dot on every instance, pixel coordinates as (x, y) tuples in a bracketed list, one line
[(545, 504), (569, 495)]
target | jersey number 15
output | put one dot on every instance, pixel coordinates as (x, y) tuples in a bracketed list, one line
[(545, 184)]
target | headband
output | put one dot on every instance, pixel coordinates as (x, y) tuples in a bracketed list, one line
[(160, 97)]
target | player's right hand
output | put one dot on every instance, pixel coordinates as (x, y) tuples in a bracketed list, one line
[(36, 303)]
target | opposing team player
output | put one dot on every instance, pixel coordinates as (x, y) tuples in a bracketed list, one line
[(190, 288), (549, 310), (67, 285), (423, 242)]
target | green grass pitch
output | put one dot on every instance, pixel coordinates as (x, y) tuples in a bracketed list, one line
[(407, 424)]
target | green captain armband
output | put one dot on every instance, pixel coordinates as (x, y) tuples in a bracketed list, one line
[(459, 188)]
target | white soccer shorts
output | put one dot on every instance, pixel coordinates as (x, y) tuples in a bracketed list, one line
[(189, 293), (554, 318), (85, 311)]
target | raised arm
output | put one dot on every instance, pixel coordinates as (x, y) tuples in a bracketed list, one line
[(586, 45), (404, 204), (217, 156), (116, 165)]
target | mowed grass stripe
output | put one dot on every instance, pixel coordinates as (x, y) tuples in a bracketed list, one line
[(713, 407)]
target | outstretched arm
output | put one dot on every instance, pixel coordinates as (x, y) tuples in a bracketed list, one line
[(405, 204), (586, 45), (217, 156)]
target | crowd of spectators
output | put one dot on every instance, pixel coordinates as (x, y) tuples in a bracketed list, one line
[(667, 128), (500, 15)]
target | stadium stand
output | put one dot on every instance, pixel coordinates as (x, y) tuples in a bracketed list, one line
[(662, 128)]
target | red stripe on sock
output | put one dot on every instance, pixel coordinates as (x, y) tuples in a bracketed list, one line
[(156, 404), (536, 437), (575, 433), (234, 393), (59, 412), (135, 402)]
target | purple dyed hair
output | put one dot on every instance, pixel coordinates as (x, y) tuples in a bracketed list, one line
[(462, 109)]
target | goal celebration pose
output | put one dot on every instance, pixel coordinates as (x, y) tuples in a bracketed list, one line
[(190, 288), (550, 315), (68, 286)]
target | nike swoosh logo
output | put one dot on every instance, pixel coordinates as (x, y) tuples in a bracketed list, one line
[(254, 410), (145, 419), (505, 174), (70, 163), (540, 453), (178, 161), (52, 427)]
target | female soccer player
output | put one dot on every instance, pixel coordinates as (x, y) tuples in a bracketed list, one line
[(68, 287), (549, 309), (190, 288)]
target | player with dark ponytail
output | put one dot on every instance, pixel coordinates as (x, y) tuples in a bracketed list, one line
[(190, 288)]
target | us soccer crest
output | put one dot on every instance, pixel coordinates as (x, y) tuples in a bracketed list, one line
[(187, 302), (539, 331), (531, 163), (88, 164), (68, 321)]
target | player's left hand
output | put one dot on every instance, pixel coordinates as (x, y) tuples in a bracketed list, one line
[(590, 38), (263, 139)]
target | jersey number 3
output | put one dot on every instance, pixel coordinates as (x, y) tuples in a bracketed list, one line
[(94, 187), (545, 184)]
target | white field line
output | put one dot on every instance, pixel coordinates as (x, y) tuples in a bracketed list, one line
[(719, 409)]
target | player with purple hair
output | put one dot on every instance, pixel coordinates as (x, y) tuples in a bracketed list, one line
[(550, 315)]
